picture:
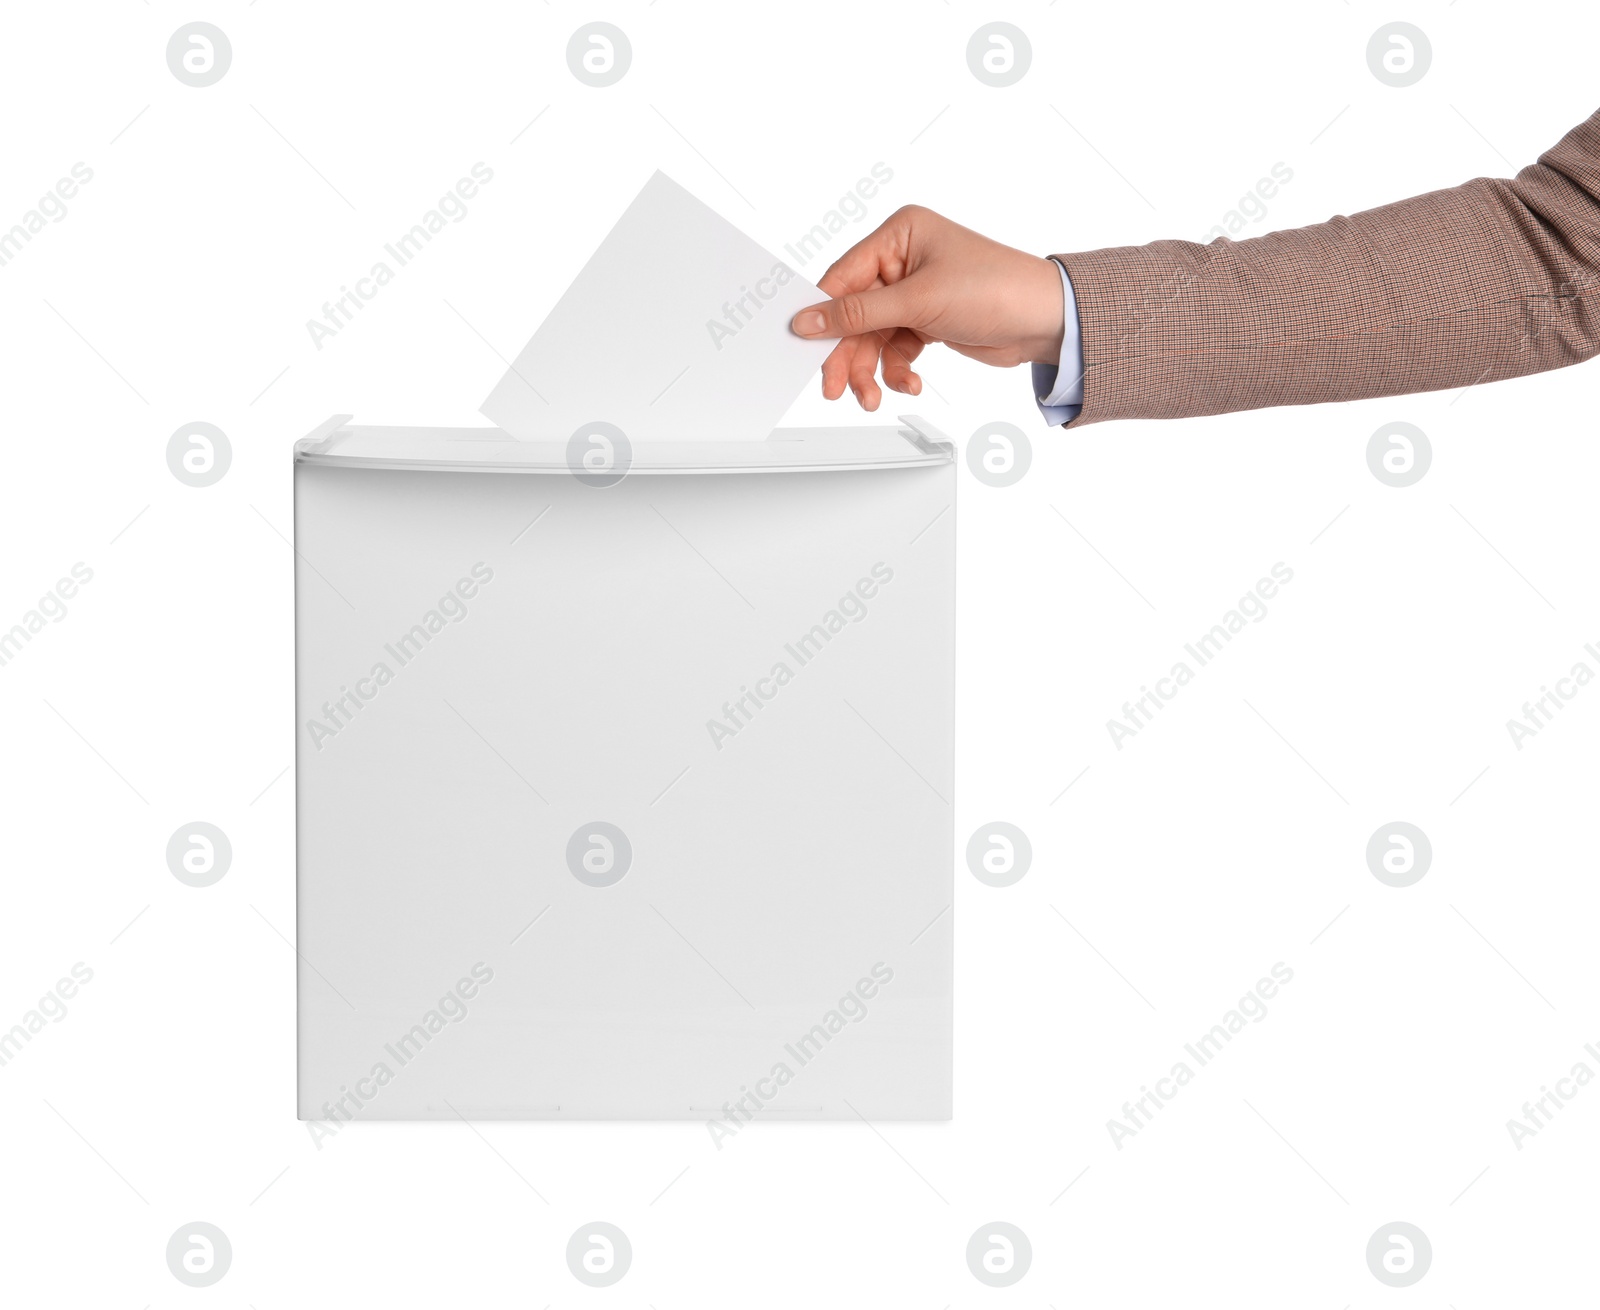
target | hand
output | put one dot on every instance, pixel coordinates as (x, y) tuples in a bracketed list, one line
[(922, 278)]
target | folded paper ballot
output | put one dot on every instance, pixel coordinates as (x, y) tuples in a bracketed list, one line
[(676, 328)]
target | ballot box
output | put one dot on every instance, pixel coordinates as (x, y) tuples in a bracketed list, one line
[(624, 775)]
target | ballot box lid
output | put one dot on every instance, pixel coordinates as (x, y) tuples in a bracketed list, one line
[(596, 450)]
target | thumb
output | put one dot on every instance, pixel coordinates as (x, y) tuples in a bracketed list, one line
[(856, 312)]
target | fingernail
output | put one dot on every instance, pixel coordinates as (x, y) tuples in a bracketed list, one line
[(809, 323)]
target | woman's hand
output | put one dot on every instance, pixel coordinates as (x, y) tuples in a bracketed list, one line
[(922, 278)]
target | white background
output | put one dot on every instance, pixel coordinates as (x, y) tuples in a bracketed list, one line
[(1227, 836)]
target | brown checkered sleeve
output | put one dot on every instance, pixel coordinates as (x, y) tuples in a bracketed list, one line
[(1489, 280)]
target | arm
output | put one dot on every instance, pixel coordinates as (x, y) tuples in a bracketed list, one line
[(1490, 280)]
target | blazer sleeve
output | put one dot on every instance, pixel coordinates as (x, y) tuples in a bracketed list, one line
[(1489, 280)]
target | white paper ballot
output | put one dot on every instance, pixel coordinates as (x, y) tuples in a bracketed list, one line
[(677, 328)]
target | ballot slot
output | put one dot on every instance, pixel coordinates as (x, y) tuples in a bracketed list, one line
[(347, 445)]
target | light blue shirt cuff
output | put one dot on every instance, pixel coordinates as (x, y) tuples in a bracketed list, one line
[(1059, 390)]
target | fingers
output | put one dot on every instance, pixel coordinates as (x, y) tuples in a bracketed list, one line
[(855, 360), (836, 369), (852, 362), (898, 352), (877, 258), (869, 313), (858, 312), (863, 373)]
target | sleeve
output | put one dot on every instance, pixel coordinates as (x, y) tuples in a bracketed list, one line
[(1490, 280), (1059, 390)]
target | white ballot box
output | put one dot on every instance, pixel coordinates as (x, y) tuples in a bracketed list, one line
[(624, 780)]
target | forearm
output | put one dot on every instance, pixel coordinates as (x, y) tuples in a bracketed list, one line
[(1489, 280)]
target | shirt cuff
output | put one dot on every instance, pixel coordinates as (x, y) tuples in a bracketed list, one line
[(1059, 390)]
